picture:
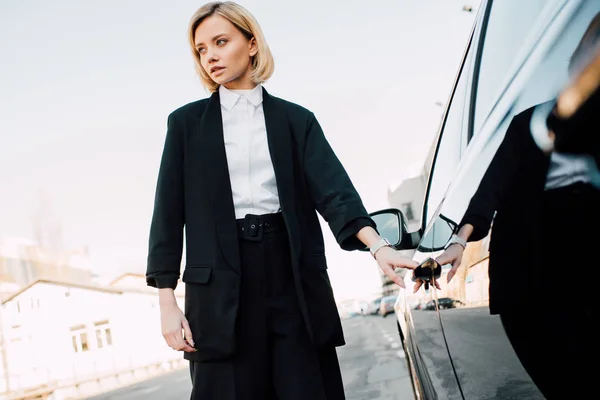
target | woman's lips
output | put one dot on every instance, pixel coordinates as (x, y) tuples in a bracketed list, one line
[(217, 71)]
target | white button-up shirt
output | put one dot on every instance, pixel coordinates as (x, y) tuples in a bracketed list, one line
[(251, 170), (565, 169)]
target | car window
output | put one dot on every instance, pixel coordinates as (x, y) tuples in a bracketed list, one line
[(450, 142), (437, 235), (500, 47)]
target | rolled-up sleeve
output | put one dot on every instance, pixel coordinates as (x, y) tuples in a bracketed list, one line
[(347, 236), (166, 230), (331, 190)]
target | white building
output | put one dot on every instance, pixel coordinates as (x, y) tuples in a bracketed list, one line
[(56, 334), (138, 282), (407, 194), (24, 261)]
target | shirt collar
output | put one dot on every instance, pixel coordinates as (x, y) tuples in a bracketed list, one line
[(230, 98)]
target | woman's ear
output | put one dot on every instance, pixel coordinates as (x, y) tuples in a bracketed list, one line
[(253, 47)]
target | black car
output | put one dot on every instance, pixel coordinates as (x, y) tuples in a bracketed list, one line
[(516, 58), (443, 303)]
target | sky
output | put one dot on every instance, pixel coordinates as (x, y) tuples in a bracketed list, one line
[(86, 87)]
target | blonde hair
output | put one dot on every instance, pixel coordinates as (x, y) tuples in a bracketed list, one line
[(263, 64)]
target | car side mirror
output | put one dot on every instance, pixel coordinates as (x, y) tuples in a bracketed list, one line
[(391, 225)]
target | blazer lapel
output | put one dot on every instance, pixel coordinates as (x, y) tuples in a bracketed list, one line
[(216, 175), (279, 137)]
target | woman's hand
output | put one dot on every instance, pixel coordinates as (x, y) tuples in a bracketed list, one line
[(453, 255), (173, 322), (390, 259), (419, 282)]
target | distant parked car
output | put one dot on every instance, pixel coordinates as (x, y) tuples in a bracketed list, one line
[(429, 306), (447, 302), (387, 305), (444, 303), (373, 308), (363, 308)]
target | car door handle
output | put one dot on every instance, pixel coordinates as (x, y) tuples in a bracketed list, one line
[(427, 271)]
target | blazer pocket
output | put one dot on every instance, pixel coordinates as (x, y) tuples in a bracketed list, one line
[(318, 261), (193, 274)]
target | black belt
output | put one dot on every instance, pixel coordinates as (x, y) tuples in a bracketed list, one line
[(252, 227)]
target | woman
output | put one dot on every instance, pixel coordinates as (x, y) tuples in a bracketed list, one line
[(542, 206), (245, 173)]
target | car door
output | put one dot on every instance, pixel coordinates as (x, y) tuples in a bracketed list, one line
[(483, 359), (418, 320)]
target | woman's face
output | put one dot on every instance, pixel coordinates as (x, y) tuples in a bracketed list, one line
[(225, 53)]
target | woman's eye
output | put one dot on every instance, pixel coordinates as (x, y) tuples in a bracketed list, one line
[(201, 51), (221, 42)]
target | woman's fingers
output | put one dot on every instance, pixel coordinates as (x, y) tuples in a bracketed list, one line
[(455, 264), (408, 263), (451, 274), (444, 258), (389, 271), (187, 332), (176, 341), (418, 285)]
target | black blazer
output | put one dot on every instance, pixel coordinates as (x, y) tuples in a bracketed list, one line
[(194, 193), (512, 188)]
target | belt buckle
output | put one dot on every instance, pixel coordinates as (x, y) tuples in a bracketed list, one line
[(253, 229)]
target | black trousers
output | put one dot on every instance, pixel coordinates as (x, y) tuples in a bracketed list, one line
[(275, 358), (556, 339)]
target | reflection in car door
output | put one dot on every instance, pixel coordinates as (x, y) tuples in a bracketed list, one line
[(485, 363)]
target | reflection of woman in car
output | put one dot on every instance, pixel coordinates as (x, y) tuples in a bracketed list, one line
[(546, 214), (573, 125), (246, 173)]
